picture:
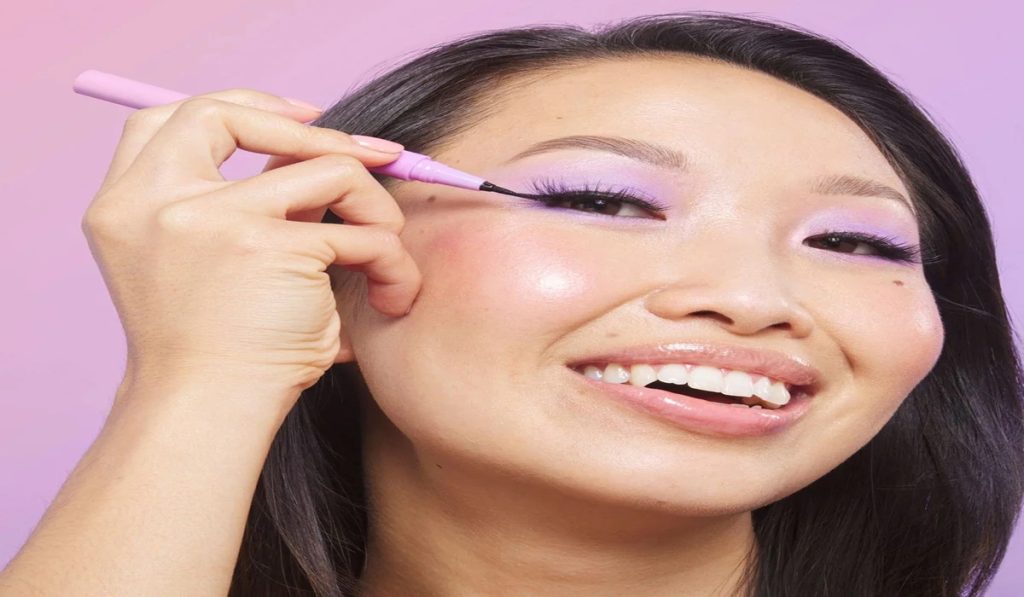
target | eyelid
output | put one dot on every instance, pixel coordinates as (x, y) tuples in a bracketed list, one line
[(627, 194)]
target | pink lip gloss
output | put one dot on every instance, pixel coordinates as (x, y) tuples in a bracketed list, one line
[(409, 165), (701, 416)]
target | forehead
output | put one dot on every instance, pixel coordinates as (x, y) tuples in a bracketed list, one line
[(720, 114)]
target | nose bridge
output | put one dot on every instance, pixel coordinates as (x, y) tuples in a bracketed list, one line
[(730, 270)]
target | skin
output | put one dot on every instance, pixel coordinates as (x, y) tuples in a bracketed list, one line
[(490, 471)]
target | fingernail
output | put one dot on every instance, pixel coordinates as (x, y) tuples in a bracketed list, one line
[(378, 144), (302, 104)]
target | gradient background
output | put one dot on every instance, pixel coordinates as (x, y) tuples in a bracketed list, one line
[(63, 346)]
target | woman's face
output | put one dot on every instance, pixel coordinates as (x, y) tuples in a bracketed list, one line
[(513, 291)]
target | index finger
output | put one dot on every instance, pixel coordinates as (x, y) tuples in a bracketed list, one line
[(201, 134), (142, 124)]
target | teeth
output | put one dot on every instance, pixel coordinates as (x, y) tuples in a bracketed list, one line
[(779, 394), (762, 387), (641, 375), (707, 378), (615, 374), (738, 383), (753, 391), (673, 374)]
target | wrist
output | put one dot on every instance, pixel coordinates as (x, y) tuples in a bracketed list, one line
[(224, 399)]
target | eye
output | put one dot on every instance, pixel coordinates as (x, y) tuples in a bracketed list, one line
[(886, 248), (609, 206), (622, 203)]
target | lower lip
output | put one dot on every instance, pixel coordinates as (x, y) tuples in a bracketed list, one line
[(703, 416)]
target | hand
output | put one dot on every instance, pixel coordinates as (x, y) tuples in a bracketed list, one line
[(211, 278)]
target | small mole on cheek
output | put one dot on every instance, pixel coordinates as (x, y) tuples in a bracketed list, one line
[(437, 465), (612, 335), (898, 282), (431, 198)]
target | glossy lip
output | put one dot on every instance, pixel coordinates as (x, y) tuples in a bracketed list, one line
[(703, 416), (779, 366)]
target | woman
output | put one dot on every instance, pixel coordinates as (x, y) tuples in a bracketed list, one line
[(707, 181)]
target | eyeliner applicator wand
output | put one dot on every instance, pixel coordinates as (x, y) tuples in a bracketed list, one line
[(409, 165)]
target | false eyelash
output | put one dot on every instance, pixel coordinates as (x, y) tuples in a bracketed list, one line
[(551, 191)]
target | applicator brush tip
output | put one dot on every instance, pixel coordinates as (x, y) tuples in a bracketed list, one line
[(489, 186)]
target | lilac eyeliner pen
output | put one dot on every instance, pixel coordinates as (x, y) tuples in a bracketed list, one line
[(409, 165)]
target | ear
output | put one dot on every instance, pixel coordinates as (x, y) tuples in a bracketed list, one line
[(313, 215)]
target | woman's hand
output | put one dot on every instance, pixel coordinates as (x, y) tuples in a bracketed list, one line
[(211, 279)]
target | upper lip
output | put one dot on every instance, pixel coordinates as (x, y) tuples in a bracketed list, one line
[(779, 366)]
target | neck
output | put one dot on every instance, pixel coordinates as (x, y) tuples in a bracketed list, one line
[(463, 529)]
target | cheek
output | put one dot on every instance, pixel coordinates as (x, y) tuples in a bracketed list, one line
[(891, 332), (518, 277)]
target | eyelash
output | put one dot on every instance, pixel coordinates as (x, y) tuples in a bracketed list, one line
[(551, 193)]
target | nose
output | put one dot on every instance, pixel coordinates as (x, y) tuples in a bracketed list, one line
[(734, 279)]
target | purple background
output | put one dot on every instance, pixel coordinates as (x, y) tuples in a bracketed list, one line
[(63, 346)]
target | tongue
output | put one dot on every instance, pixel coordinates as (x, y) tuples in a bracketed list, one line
[(694, 393)]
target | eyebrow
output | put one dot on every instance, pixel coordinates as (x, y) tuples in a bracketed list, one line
[(668, 158)]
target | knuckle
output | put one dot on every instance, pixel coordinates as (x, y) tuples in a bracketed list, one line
[(176, 216), (140, 118), (200, 108), (97, 220)]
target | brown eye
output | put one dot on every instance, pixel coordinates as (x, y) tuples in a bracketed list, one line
[(597, 205), (839, 242), (594, 203), (878, 246)]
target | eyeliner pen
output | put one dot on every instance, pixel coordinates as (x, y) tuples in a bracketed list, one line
[(409, 165)]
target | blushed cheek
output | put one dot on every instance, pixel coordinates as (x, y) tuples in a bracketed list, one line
[(506, 275)]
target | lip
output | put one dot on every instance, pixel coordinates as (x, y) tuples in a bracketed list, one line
[(702, 416), (793, 370)]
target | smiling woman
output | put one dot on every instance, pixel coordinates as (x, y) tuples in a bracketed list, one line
[(712, 186), (740, 332)]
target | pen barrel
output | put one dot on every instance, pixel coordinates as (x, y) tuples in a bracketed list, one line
[(416, 166), (134, 94), (125, 92)]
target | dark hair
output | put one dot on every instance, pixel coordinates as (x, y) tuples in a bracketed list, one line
[(927, 507)]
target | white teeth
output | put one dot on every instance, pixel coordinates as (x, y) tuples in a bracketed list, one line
[(738, 383), (762, 387), (676, 374), (779, 394), (706, 378), (615, 374), (641, 375), (753, 391)]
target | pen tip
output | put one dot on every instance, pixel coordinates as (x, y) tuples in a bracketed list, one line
[(489, 186)]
